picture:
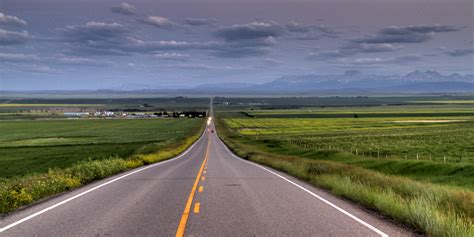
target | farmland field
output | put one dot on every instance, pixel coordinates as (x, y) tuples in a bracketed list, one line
[(35, 146), (438, 139)]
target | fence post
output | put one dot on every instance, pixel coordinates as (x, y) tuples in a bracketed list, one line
[(357, 152), (417, 158), (444, 158), (378, 153)]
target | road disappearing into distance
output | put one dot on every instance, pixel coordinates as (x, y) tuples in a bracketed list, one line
[(206, 191)]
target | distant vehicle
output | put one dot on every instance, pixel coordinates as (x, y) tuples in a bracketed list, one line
[(212, 131)]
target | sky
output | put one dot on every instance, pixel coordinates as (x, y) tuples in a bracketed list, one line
[(157, 44)]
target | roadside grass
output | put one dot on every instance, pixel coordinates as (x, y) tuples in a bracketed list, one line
[(435, 210), (19, 191)]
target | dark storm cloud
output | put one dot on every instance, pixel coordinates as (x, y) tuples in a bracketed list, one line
[(13, 37), (250, 31), (406, 34), (460, 52), (200, 21), (124, 8), (11, 20)]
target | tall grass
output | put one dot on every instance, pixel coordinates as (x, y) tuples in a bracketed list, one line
[(20, 191), (432, 209)]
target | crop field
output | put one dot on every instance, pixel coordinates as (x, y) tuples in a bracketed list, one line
[(437, 132), (34, 146), (414, 141), (436, 138)]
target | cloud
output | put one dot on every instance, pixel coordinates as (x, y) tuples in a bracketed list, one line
[(158, 21), (247, 40), (124, 8), (7, 57), (240, 52), (95, 38), (460, 52), (250, 31), (13, 37), (173, 57), (353, 49), (310, 32), (99, 38), (271, 62), (296, 27), (11, 20), (406, 34), (244, 48), (200, 21), (78, 61), (369, 48), (377, 60), (93, 32)]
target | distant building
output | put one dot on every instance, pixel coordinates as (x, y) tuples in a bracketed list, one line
[(76, 114)]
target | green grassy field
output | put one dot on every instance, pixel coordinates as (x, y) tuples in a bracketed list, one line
[(371, 160), (35, 146), (435, 138)]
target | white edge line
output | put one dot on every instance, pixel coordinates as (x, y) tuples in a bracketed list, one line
[(311, 193), (97, 187)]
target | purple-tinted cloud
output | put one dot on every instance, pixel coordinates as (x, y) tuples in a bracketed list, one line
[(124, 8), (11, 20), (13, 37), (406, 34)]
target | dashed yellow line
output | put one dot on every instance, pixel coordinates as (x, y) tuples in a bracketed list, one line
[(203, 178), (184, 218), (200, 189), (197, 206)]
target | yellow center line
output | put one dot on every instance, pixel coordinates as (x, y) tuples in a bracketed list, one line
[(196, 207), (200, 189), (203, 178), (187, 209)]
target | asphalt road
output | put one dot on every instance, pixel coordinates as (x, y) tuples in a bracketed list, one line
[(207, 191)]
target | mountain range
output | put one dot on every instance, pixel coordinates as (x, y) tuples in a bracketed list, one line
[(416, 81), (351, 82)]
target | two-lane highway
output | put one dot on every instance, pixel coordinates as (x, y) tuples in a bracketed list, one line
[(206, 191)]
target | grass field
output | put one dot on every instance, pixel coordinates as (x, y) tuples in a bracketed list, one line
[(35, 146), (49, 105), (434, 138), (391, 160)]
